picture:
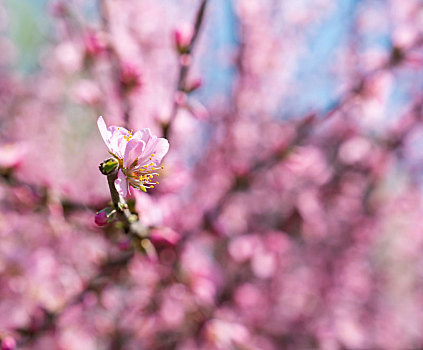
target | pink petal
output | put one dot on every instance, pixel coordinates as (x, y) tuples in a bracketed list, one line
[(118, 130), (144, 135), (105, 133), (121, 184), (134, 149), (157, 146), (113, 137), (160, 149)]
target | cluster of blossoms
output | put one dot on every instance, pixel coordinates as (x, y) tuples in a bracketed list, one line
[(138, 156)]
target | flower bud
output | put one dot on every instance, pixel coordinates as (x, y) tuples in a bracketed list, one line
[(105, 216), (95, 43), (130, 77), (101, 218), (193, 85), (108, 166), (8, 343), (183, 37)]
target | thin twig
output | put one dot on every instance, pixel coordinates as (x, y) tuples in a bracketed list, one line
[(132, 226), (184, 68)]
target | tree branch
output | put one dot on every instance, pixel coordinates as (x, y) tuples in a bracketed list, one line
[(132, 226), (184, 68)]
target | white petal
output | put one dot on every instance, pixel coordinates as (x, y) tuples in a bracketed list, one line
[(105, 134)]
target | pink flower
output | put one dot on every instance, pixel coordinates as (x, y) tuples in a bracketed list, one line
[(164, 237), (139, 155)]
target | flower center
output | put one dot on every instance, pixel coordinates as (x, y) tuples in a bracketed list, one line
[(142, 177), (129, 136)]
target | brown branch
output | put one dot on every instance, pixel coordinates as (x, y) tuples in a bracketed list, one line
[(42, 193), (132, 226)]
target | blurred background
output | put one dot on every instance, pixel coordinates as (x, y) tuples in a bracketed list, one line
[(288, 214)]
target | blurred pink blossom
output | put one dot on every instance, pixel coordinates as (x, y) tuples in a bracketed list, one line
[(12, 154), (164, 237), (8, 343), (130, 76), (95, 43), (87, 92)]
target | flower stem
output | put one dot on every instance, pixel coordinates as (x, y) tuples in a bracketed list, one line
[(130, 221)]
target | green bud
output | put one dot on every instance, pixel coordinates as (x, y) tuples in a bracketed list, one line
[(108, 166)]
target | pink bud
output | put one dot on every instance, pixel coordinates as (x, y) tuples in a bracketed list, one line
[(8, 343), (130, 76), (105, 216), (183, 36), (102, 217), (193, 85), (95, 43)]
